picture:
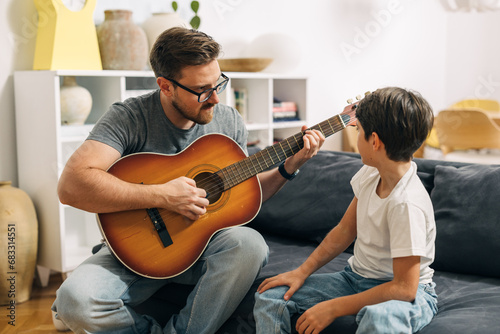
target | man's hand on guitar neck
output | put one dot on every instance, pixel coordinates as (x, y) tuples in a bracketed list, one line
[(313, 140), (272, 181)]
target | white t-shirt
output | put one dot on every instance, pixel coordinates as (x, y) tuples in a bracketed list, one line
[(399, 225)]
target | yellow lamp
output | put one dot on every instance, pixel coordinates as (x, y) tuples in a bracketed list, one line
[(66, 39)]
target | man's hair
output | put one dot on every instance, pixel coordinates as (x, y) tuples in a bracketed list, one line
[(177, 48), (402, 119)]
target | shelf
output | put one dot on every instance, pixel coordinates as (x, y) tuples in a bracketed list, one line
[(288, 124), (256, 126), (75, 133), (103, 73)]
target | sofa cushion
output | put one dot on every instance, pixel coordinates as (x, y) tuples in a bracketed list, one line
[(466, 204), (314, 202)]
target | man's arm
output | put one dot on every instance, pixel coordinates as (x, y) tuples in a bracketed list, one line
[(85, 184), (272, 181)]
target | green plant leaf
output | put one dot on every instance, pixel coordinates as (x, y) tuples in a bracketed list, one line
[(195, 22), (175, 5), (195, 5)]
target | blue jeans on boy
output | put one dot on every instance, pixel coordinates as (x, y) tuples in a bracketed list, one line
[(272, 313), (99, 295)]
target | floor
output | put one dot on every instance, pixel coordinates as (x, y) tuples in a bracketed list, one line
[(33, 316)]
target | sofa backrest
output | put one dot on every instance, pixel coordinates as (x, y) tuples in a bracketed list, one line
[(466, 199)]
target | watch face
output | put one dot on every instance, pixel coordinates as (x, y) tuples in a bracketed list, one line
[(74, 5)]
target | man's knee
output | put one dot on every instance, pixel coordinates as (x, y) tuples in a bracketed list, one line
[(251, 247), (69, 305)]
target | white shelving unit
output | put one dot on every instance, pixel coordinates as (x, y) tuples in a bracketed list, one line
[(66, 234)]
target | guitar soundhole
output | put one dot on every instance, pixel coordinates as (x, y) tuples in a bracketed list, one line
[(213, 185)]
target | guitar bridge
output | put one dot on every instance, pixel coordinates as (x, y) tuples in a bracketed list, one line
[(160, 227)]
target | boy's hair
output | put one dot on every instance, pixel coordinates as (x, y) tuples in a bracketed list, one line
[(402, 119), (177, 48)]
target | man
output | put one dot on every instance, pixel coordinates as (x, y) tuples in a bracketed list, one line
[(98, 295)]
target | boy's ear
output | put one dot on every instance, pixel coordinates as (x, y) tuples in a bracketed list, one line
[(377, 144)]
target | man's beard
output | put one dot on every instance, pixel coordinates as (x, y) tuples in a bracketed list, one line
[(202, 117)]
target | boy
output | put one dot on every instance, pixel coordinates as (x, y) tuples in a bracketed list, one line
[(387, 282)]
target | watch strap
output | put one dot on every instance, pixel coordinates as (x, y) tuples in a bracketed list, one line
[(285, 174)]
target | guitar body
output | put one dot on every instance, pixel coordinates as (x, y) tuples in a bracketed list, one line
[(132, 236)]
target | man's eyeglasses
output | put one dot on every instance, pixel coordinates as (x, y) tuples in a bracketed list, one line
[(206, 94)]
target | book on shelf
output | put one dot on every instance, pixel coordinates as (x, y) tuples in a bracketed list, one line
[(241, 101), (285, 111)]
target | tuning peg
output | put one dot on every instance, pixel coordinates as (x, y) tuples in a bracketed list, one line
[(349, 101), (358, 97), (367, 93)]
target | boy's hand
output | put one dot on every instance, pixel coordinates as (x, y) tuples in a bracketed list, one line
[(317, 318), (293, 279)]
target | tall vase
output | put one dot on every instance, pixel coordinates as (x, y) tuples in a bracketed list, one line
[(19, 245), (123, 45), (76, 102), (159, 22)]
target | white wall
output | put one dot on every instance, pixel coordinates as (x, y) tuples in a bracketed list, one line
[(473, 56), (346, 47)]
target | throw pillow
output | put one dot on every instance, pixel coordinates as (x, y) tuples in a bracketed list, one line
[(466, 204)]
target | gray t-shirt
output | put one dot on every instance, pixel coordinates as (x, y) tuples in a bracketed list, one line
[(139, 125)]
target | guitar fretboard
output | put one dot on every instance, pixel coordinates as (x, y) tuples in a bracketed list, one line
[(270, 156)]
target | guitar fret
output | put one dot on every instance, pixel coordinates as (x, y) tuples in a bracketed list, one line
[(253, 165), (235, 174), (256, 155), (270, 157), (342, 122), (274, 148), (291, 149), (264, 160), (331, 127), (320, 129), (295, 138), (281, 146), (248, 173)]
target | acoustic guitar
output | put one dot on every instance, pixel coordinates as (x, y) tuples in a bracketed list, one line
[(158, 243)]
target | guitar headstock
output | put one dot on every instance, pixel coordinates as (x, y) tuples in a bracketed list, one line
[(350, 109)]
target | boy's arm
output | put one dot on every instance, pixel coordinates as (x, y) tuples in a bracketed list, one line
[(402, 287), (335, 242)]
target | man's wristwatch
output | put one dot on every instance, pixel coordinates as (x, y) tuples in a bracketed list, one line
[(285, 174)]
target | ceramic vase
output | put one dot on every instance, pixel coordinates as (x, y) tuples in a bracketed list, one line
[(159, 22), (122, 44), (19, 245), (76, 102)]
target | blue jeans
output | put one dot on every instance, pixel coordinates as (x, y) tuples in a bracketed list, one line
[(272, 313), (97, 296)]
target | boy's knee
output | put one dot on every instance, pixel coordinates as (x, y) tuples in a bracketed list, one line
[(273, 294), (374, 318)]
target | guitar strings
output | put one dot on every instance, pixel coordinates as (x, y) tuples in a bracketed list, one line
[(232, 177)]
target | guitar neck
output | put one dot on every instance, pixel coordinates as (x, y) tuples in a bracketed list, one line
[(270, 156)]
